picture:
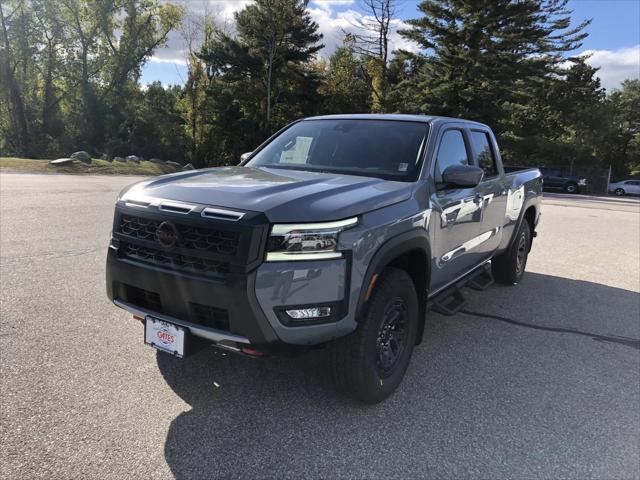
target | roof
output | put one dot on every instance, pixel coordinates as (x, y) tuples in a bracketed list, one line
[(393, 117)]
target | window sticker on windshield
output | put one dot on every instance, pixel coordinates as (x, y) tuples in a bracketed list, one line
[(403, 167)]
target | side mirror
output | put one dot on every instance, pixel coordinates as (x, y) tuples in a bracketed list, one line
[(462, 176), (244, 156)]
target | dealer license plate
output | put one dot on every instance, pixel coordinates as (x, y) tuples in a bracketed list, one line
[(164, 336)]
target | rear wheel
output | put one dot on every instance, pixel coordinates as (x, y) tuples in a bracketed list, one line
[(509, 267), (619, 192), (369, 364), (571, 188)]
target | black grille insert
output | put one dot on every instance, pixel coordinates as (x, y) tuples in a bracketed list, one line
[(213, 317), (173, 260), (143, 298), (196, 238)]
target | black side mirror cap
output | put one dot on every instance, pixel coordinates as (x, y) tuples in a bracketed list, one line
[(462, 176)]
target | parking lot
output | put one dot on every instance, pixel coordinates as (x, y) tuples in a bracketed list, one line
[(541, 380)]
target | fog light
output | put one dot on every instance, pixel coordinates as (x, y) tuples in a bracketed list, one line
[(305, 313)]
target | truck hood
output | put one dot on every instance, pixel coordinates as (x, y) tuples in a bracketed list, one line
[(283, 195)]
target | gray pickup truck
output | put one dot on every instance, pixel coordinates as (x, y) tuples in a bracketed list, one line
[(339, 231)]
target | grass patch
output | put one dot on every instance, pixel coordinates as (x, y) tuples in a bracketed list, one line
[(96, 167)]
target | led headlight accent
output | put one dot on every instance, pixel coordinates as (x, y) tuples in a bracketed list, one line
[(306, 241)]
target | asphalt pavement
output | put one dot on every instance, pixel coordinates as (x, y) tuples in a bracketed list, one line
[(540, 380)]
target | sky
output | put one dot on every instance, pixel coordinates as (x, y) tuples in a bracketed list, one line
[(613, 42)]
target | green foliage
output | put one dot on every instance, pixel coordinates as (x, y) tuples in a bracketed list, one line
[(70, 69), (346, 88)]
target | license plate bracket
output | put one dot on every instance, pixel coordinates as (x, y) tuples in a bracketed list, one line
[(165, 336)]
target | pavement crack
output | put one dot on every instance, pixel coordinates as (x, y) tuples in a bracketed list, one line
[(626, 341)]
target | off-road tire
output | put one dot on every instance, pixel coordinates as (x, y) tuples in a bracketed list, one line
[(356, 364), (509, 267)]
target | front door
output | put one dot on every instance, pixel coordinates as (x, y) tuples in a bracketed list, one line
[(458, 213)]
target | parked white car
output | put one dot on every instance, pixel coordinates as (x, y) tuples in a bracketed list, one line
[(625, 187)]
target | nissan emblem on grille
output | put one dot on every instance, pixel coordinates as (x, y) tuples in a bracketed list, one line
[(167, 234)]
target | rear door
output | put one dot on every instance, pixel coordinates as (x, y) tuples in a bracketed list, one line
[(492, 190), (457, 211)]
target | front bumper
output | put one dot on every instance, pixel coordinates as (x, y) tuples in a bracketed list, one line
[(240, 309)]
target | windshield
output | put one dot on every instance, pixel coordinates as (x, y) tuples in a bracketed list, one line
[(375, 148)]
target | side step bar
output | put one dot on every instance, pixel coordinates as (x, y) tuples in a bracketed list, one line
[(452, 300)]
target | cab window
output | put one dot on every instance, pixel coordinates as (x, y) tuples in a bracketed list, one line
[(483, 153), (452, 151)]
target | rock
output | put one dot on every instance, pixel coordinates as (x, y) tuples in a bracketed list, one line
[(188, 166), (133, 158), (61, 161), (173, 164), (157, 160), (118, 159), (106, 157), (82, 156)]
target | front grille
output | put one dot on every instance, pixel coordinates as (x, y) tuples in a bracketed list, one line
[(173, 260), (217, 318), (202, 239), (143, 298)]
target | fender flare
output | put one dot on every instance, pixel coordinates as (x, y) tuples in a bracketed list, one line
[(416, 239), (531, 202)]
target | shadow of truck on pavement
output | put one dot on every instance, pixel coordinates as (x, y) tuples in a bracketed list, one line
[(499, 394)]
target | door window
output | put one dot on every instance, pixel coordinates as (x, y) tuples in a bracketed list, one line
[(483, 154), (452, 151)]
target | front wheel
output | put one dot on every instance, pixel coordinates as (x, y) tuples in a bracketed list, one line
[(619, 192), (369, 364), (508, 268)]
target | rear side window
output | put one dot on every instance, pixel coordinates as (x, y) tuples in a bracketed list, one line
[(452, 151), (483, 153)]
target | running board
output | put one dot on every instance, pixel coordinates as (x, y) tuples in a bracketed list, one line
[(452, 300), (449, 302), (482, 279)]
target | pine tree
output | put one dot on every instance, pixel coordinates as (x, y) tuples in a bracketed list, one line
[(268, 59), (481, 54)]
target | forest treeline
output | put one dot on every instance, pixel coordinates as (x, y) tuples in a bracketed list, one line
[(70, 79)]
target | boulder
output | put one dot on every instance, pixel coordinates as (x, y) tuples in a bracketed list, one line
[(61, 161), (118, 159), (173, 164), (82, 156), (157, 160), (188, 166), (133, 158)]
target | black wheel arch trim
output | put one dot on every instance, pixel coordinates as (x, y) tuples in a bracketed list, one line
[(531, 202), (416, 239)]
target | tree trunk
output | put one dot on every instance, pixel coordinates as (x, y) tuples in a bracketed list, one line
[(269, 79), (16, 103)]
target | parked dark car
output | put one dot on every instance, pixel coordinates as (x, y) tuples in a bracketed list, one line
[(555, 180)]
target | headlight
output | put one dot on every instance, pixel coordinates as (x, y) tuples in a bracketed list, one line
[(582, 182), (306, 241)]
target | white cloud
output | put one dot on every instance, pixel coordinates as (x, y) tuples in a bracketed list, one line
[(196, 11), (332, 24), (615, 66)]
